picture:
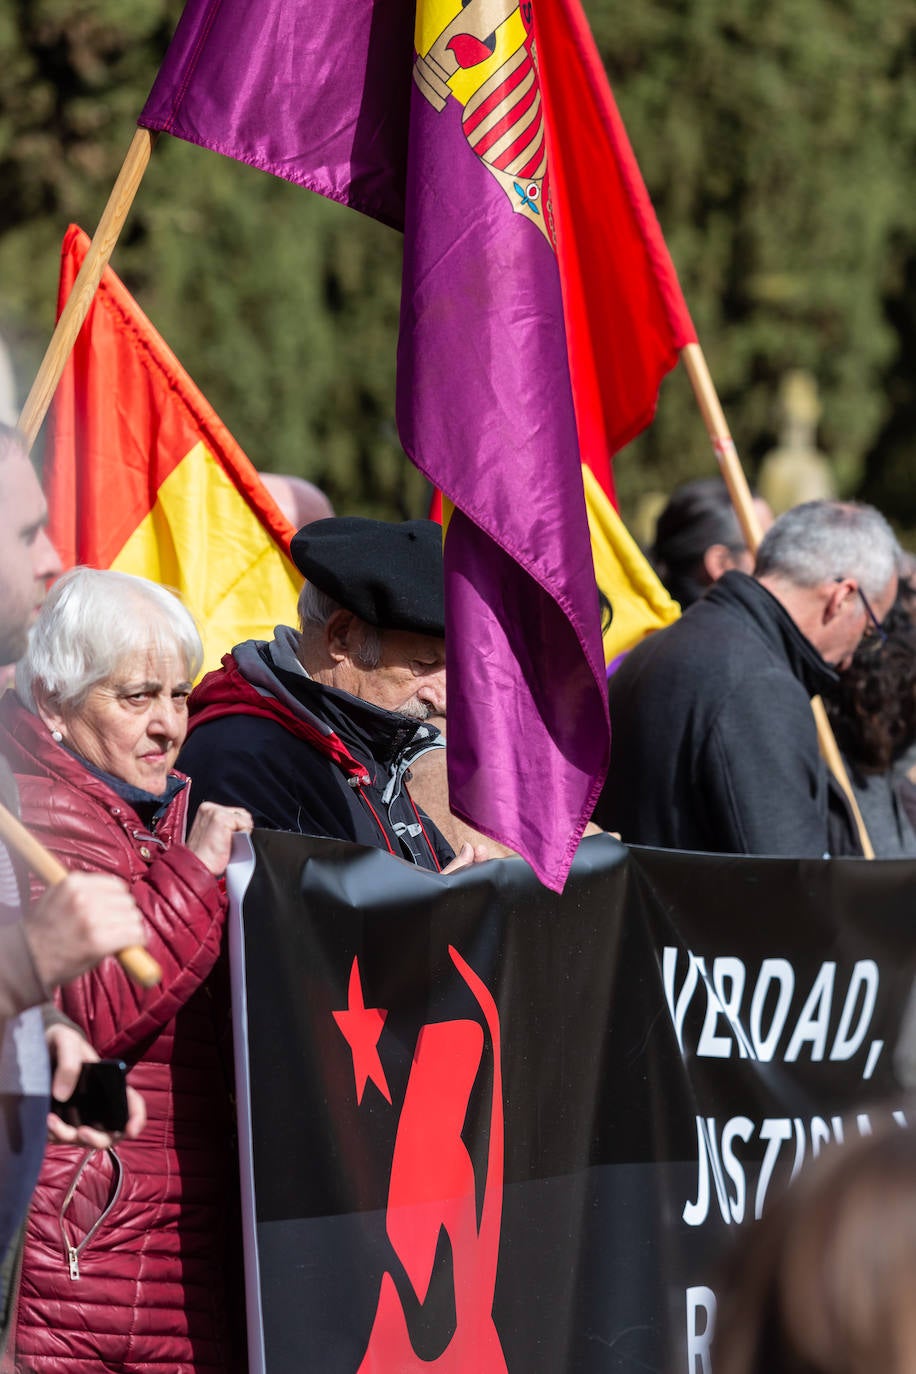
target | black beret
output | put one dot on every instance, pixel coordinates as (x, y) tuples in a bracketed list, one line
[(389, 575)]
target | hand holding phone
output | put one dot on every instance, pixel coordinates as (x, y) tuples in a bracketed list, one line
[(100, 1097)]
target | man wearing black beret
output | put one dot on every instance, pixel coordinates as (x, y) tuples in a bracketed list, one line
[(315, 730)]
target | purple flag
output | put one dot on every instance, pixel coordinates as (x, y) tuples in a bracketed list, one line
[(314, 91), (322, 94), (485, 410)]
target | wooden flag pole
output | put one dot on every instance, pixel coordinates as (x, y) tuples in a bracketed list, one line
[(743, 502), (141, 966), (86, 284)]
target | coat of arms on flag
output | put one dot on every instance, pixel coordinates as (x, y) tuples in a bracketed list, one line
[(485, 57)]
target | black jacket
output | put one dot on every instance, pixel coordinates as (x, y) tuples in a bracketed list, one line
[(714, 745), (305, 757)]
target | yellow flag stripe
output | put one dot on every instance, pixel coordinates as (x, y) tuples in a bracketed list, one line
[(202, 539), (623, 573)]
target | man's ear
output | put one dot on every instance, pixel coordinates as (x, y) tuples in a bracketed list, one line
[(717, 559), (339, 633), (839, 592)]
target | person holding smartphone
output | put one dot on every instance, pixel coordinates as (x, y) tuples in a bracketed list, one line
[(131, 1258), (42, 944)]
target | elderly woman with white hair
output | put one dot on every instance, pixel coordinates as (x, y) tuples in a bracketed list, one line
[(131, 1259)]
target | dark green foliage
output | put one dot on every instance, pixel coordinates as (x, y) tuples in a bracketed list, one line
[(282, 306), (777, 142)]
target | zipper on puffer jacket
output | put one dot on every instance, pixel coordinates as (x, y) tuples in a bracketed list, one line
[(74, 1251)]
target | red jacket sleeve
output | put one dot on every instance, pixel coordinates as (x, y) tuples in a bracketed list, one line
[(184, 909)]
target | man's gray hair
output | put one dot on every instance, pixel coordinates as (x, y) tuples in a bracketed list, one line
[(93, 619), (315, 609), (822, 540)]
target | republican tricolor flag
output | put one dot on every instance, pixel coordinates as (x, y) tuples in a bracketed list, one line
[(143, 476), (539, 313)]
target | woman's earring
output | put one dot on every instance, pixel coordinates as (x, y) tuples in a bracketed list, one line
[(56, 736)]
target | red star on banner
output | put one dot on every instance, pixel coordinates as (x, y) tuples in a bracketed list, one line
[(361, 1027)]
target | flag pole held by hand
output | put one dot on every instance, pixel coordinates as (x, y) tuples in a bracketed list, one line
[(141, 966)]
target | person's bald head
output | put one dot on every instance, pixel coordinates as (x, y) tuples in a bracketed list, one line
[(300, 501)]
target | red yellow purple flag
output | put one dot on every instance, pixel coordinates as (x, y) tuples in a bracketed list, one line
[(539, 313), (143, 476)]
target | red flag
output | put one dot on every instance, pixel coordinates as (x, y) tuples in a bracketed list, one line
[(626, 318), (143, 476)]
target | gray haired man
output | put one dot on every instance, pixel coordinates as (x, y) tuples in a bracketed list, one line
[(714, 745), (315, 731)]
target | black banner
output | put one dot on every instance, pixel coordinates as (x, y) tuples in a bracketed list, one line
[(493, 1129)]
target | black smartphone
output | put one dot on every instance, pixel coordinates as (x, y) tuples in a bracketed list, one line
[(100, 1098)]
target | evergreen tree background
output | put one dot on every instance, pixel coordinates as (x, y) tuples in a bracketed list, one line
[(777, 144)]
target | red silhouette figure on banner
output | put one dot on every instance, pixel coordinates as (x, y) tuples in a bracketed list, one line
[(433, 1191)]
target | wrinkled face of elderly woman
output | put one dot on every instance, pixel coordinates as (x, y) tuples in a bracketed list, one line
[(133, 723)]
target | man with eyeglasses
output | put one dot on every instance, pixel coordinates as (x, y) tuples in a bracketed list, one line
[(714, 742)]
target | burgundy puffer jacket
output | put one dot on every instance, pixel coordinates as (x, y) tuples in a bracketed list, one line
[(157, 1285)]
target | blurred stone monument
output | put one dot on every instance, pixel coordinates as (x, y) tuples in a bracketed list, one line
[(796, 470)]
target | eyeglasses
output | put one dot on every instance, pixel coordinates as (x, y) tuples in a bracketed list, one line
[(877, 628)]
